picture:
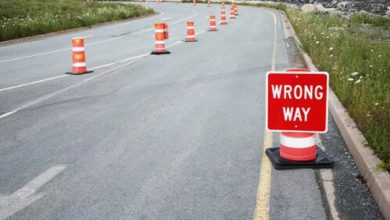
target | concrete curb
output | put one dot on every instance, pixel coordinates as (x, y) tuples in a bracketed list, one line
[(378, 181)]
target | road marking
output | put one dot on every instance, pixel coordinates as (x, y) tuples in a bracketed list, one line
[(32, 186), (43, 98), (120, 61), (9, 205), (31, 83), (91, 44), (50, 95), (264, 187), (327, 179), (34, 55)]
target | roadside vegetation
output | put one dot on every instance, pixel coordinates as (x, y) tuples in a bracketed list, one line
[(23, 18), (355, 51)]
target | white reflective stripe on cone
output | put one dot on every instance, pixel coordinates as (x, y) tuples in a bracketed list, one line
[(79, 65), (190, 36), (297, 142), (190, 27), (77, 49), (159, 42), (159, 31)]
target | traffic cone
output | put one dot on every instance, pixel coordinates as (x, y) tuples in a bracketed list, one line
[(193, 2), (190, 32), (208, 3), (232, 14), (213, 23), (223, 17), (79, 65), (223, 5), (235, 10), (161, 34), (298, 149)]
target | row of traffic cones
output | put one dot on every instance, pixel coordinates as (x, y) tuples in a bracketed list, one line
[(160, 40), (161, 34)]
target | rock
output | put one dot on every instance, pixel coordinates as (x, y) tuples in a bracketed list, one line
[(307, 8), (320, 8), (333, 11), (377, 8), (342, 5), (388, 13), (348, 7)]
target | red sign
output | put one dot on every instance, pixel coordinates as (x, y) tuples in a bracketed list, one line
[(297, 101)]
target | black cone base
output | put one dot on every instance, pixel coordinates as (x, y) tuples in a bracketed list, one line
[(160, 52), (322, 160), (71, 73)]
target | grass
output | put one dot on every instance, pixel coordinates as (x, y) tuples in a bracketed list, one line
[(355, 52), (23, 18)]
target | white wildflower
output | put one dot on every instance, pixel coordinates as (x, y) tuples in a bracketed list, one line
[(357, 81), (330, 48), (350, 79), (317, 42), (354, 74), (376, 103)]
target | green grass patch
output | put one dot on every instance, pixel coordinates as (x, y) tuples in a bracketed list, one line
[(22, 18), (355, 52)]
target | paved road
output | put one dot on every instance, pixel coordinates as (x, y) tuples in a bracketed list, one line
[(178, 136)]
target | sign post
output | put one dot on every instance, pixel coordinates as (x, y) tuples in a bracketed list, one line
[(297, 106)]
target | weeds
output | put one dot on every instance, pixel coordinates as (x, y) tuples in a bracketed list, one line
[(21, 18)]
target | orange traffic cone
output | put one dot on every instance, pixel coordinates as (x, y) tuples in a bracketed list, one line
[(223, 5), (79, 65), (235, 10), (223, 17), (161, 34), (213, 23), (190, 32), (232, 14), (208, 3)]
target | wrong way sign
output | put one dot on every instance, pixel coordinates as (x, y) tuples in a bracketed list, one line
[(297, 101)]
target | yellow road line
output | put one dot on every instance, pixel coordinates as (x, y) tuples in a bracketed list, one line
[(264, 187)]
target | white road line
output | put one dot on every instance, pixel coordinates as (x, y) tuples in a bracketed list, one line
[(91, 44), (32, 186), (120, 61), (88, 36), (34, 55), (32, 83), (50, 95), (9, 205), (62, 76), (43, 98), (328, 184), (93, 68)]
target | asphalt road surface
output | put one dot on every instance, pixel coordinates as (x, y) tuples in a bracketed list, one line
[(176, 136)]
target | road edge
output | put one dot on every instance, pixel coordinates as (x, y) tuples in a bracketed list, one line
[(378, 181)]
